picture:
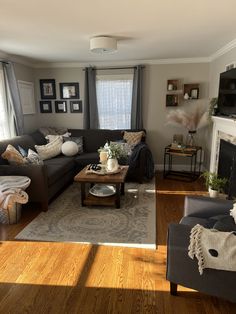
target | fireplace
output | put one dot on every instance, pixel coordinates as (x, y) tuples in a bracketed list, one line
[(227, 166)]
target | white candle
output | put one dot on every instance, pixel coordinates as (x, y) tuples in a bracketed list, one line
[(103, 156)]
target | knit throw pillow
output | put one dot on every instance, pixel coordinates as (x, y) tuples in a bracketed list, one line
[(77, 140), (13, 156), (49, 150), (133, 138)]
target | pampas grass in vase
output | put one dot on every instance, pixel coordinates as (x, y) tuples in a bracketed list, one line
[(192, 119)]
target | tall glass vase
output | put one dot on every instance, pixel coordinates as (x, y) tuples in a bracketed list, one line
[(191, 138)]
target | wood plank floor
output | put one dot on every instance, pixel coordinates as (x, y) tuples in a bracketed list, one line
[(42, 277)]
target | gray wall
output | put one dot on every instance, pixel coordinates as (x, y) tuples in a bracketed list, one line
[(159, 134)]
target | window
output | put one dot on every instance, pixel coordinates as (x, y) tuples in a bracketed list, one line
[(114, 97), (4, 125)]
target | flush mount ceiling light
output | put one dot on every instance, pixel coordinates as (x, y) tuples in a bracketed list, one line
[(103, 44)]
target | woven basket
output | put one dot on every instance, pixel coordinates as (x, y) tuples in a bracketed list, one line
[(11, 215)]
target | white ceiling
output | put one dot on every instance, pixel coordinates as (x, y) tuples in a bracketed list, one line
[(59, 31)]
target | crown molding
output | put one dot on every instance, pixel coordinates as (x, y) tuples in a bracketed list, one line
[(16, 59), (223, 50), (119, 63)]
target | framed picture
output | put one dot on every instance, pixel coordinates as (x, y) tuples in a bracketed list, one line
[(48, 89), (26, 90), (194, 93), (172, 100), (45, 106), (69, 90), (76, 106), (60, 106)]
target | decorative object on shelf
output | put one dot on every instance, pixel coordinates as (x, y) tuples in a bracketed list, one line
[(172, 100), (192, 119), (214, 184), (186, 96), (69, 90), (177, 140), (230, 66), (45, 106), (173, 85), (190, 138), (212, 107), (47, 88), (60, 106), (102, 190), (76, 106), (192, 90)]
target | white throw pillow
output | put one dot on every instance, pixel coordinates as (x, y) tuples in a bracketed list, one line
[(33, 158), (50, 150), (233, 212), (69, 148)]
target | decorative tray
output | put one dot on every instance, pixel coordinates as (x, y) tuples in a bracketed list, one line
[(102, 190), (103, 171)]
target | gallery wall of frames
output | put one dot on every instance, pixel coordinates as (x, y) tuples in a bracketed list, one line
[(68, 100)]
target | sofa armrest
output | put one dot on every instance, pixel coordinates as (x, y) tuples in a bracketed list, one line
[(204, 207), (38, 189)]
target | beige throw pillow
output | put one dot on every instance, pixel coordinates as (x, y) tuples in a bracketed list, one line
[(133, 138), (50, 150), (13, 156)]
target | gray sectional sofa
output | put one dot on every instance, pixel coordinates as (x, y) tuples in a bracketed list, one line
[(49, 179)]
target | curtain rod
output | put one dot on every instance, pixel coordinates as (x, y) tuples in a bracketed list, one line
[(117, 68)]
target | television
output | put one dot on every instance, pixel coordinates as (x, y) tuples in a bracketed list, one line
[(227, 94)]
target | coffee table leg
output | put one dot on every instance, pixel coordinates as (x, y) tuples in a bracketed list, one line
[(82, 193), (122, 191), (118, 188)]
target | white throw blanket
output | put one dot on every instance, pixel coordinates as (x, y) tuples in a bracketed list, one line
[(213, 248), (12, 190)]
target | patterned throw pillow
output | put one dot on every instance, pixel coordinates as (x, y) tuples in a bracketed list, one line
[(13, 156), (52, 137), (33, 158), (77, 140), (22, 151), (53, 131), (133, 138), (49, 150)]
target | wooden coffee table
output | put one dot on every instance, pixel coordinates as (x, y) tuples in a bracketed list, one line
[(117, 179)]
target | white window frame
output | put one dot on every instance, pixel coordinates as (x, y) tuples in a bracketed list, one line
[(116, 77)]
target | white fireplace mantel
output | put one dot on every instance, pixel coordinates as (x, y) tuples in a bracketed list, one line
[(224, 125)]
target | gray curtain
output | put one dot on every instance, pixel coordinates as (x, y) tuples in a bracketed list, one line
[(15, 114), (136, 109), (91, 120)]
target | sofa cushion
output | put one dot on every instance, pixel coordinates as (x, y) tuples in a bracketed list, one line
[(225, 224), (57, 167), (192, 221), (86, 159)]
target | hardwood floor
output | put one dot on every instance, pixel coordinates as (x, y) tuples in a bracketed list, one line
[(42, 277)]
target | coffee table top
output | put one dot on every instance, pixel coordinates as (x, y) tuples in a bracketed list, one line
[(83, 176)]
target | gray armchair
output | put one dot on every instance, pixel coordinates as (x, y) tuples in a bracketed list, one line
[(184, 271)]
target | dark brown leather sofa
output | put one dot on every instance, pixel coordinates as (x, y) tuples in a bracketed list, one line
[(49, 179)]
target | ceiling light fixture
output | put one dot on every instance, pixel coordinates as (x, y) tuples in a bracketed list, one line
[(103, 44)]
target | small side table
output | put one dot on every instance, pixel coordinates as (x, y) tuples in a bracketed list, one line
[(190, 152)]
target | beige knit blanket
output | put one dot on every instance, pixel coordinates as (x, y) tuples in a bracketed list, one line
[(212, 248), (12, 190)]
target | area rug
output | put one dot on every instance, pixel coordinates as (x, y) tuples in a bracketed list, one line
[(133, 225)]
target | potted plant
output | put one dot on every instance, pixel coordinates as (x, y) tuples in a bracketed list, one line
[(214, 183), (114, 152)]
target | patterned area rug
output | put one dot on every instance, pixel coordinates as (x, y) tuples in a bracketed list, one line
[(133, 225)]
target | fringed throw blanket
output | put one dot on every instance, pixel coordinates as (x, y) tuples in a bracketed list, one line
[(213, 249), (12, 190)]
